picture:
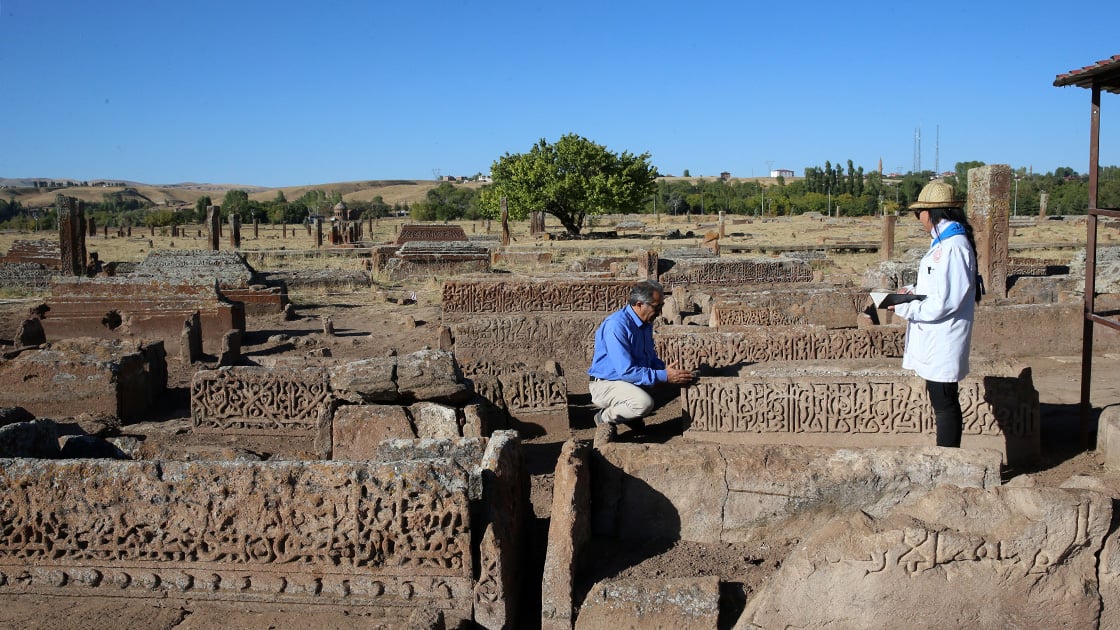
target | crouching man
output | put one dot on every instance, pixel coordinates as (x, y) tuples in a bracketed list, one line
[(625, 366)]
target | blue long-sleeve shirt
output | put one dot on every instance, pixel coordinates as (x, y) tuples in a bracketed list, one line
[(624, 350)]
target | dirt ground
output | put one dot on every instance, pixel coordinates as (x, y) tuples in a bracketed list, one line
[(369, 322)]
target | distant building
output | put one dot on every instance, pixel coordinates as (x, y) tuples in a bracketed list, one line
[(781, 172), (725, 176)]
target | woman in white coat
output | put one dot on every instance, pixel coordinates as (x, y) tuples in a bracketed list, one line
[(939, 326)]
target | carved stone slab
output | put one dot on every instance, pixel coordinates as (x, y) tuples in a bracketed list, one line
[(537, 401), (565, 338), (124, 306), (999, 558), (420, 232), (881, 407), (834, 308), (260, 401), (355, 534), (718, 350), (84, 375), (486, 295), (708, 271)]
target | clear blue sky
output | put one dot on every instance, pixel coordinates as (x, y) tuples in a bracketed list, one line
[(283, 93)]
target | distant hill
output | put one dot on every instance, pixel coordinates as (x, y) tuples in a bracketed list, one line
[(187, 193)]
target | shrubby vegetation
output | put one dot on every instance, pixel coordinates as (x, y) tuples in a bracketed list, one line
[(576, 178)]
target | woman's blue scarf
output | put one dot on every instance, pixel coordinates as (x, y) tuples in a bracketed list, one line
[(952, 229)]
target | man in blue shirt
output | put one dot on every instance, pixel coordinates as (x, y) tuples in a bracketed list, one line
[(625, 365)]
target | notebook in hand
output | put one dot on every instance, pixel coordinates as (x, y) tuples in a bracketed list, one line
[(883, 299)]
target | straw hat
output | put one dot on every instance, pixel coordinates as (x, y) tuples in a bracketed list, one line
[(936, 194)]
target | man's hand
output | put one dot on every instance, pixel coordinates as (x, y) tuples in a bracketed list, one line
[(678, 376)]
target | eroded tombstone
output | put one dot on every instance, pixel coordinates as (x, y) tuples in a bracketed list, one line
[(231, 348), (989, 200), (886, 248), (235, 230), (213, 226), (190, 339), (505, 222), (71, 234)]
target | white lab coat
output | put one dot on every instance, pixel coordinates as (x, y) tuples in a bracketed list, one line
[(939, 328)]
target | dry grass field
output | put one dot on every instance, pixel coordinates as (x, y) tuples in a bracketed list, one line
[(798, 230)]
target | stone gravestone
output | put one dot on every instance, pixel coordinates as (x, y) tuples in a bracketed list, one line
[(318, 233), (235, 230), (505, 223), (1043, 200), (213, 224), (71, 234), (886, 248), (989, 199)]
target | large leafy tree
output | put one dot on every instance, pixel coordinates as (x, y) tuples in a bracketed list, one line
[(570, 180)]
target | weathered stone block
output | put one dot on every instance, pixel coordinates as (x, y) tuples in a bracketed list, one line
[(1025, 556), (32, 438), (369, 380), (72, 376), (569, 530), (356, 430), (434, 421), (734, 492), (432, 375)]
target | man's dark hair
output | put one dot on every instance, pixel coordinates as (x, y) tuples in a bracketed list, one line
[(643, 292)]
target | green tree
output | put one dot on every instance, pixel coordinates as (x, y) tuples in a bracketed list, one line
[(570, 179), (200, 206), (236, 202)]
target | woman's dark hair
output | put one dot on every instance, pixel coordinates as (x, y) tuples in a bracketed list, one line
[(957, 214)]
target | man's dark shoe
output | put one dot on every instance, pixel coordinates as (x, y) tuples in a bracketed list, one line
[(637, 426)]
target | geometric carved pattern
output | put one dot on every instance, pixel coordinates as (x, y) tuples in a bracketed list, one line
[(721, 350), (391, 534), (837, 405), (260, 401), (534, 391)]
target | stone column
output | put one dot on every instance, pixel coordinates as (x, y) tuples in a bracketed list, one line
[(886, 247), (235, 230), (505, 223), (71, 234), (92, 226), (722, 229), (318, 233), (647, 265), (256, 228), (284, 230), (213, 222), (989, 203), (1043, 200)]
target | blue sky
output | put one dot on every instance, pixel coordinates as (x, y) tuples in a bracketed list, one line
[(284, 93)]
